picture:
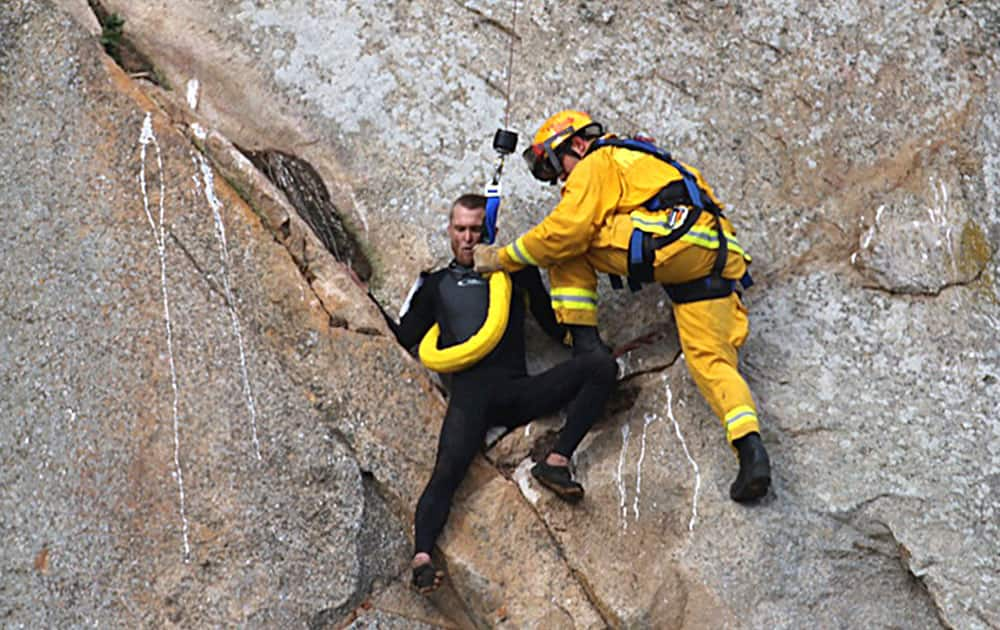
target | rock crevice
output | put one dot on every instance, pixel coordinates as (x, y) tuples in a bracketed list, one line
[(308, 194), (120, 47)]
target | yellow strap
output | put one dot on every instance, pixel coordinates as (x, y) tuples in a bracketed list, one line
[(474, 349)]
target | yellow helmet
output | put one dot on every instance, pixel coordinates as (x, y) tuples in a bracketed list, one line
[(542, 156)]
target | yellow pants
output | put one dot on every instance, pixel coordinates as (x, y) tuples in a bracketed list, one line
[(711, 331)]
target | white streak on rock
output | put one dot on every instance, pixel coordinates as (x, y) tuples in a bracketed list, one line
[(940, 215), (199, 131), (869, 234), (934, 212), (208, 179), (687, 453), (622, 363), (192, 93), (522, 475), (867, 238), (146, 138), (647, 420), (621, 481)]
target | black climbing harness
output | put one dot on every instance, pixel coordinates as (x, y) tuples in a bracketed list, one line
[(684, 201)]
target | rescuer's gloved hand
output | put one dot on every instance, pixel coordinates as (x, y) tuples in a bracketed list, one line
[(486, 258)]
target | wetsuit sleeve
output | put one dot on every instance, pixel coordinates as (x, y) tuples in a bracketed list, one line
[(539, 302), (418, 318), (592, 190)]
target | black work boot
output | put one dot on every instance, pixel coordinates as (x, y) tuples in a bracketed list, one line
[(586, 339), (558, 480), (755, 469)]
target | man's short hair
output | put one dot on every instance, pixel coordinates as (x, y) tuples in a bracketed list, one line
[(468, 200)]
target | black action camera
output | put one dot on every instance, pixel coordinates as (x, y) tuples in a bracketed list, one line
[(504, 141)]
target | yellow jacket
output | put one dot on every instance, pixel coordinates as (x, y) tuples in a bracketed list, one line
[(594, 212)]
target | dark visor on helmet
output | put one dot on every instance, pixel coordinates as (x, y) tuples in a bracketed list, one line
[(544, 164)]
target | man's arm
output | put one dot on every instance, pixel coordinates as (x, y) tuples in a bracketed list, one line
[(539, 302), (418, 314), (591, 190)]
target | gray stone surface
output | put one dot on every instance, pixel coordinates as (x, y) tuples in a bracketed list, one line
[(199, 429), (856, 146), (912, 450), (161, 464)]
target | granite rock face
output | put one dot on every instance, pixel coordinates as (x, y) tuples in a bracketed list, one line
[(207, 423), (162, 462)]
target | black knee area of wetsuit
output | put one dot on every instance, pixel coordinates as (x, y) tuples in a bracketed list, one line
[(601, 367), (587, 339), (599, 373)]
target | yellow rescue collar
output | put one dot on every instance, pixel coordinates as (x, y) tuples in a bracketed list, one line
[(474, 349)]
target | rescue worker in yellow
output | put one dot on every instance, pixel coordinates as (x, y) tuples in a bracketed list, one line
[(629, 209)]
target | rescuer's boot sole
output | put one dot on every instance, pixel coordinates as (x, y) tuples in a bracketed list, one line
[(754, 477), (558, 480)]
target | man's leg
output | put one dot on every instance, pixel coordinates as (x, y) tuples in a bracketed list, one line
[(584, 383), (574, 300), (462, 433), (711, 333)]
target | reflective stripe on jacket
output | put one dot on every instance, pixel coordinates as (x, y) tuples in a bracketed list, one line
[(597, 199)]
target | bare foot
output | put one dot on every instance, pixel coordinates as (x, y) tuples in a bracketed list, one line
[(426, 578), (555, 459)]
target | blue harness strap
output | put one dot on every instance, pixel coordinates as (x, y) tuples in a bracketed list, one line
[(642, 245), (635, 248), (492, 210), (690, 183)]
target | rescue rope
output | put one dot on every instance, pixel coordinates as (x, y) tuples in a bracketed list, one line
[(510, 65), (504, 142)]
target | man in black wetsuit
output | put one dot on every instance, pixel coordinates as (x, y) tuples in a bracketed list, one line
[(496, 391)]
